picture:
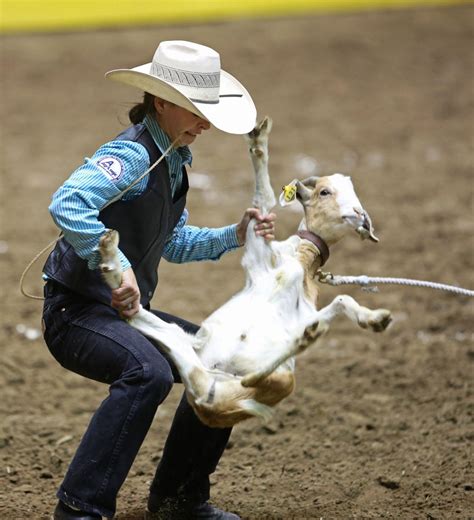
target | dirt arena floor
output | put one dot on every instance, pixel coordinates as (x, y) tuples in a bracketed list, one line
[(380, 426)]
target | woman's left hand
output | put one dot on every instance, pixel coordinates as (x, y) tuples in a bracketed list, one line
[(126, 299), (265, 226)]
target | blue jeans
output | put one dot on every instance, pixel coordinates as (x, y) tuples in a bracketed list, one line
[(89, 338)]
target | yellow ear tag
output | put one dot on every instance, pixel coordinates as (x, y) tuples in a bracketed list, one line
[(289, 192)]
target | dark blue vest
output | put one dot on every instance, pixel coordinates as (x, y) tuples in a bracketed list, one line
[(144, 223)]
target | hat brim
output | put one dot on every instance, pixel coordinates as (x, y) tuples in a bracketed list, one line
[(235, 113)]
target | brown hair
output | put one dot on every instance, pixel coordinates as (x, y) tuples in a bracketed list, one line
[(138, 112)]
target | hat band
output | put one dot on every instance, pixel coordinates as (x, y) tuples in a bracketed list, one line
[(198, 86)]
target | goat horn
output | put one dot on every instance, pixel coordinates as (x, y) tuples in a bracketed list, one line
[(369, 227)]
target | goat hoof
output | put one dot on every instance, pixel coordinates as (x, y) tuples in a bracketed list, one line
[(323, 328), (261, 129), (251, 379), (381, 321), (265, 125), (109, 239), (315, 331)]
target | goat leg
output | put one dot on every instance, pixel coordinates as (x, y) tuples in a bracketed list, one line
[(264, 198), (310, 335), (110, 264), (258, 254), (176, 343), (377, 319)]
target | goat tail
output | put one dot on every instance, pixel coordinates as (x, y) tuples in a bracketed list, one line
[(256, 409)]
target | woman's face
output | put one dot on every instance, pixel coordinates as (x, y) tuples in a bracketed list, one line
[(179, 122)]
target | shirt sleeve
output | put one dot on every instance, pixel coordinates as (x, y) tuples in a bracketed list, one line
[(76, 204), (194, 244)]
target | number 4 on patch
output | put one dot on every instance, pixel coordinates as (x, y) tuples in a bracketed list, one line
[(112, 167)]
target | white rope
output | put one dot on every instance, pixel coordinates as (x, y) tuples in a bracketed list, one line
[(30, 265), (52, 243), (367, 281), (136, 181)]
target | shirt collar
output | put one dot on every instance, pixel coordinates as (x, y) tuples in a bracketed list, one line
[(163, 141)]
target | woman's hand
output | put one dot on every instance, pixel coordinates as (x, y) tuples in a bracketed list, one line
[(126, 299), (265, 226)]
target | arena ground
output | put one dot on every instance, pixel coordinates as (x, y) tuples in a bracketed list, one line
[(380, 426)]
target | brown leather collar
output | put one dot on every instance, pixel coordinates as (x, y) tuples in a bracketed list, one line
[(318, 242)]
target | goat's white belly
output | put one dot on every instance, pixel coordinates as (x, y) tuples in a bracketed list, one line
[(243, 333)]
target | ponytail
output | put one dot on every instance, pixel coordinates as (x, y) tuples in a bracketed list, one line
[(138, 112)]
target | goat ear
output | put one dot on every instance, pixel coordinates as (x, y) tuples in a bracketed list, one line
[(304, 193), (310, 182), (288, 194)]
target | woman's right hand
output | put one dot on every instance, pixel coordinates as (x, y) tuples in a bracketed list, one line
[(126, 299)]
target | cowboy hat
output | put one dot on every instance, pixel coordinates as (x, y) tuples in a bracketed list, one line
[(190, 75)]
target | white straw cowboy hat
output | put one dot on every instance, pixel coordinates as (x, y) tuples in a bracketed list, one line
[(190, 75)]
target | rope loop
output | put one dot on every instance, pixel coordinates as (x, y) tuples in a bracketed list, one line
[(118, 197)]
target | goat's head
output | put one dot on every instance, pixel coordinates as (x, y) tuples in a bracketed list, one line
[(331, 207)]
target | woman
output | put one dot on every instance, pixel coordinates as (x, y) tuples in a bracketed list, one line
[(185, 92)]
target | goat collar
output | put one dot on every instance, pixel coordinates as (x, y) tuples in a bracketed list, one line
[(318, 242)]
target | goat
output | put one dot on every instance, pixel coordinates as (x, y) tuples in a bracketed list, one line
[(241, 361)]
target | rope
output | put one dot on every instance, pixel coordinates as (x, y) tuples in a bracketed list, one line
[(162, 156), (30, 265), (367, 281), (117, 197)]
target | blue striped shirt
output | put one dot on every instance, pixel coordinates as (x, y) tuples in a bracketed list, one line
[(114, 166)]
